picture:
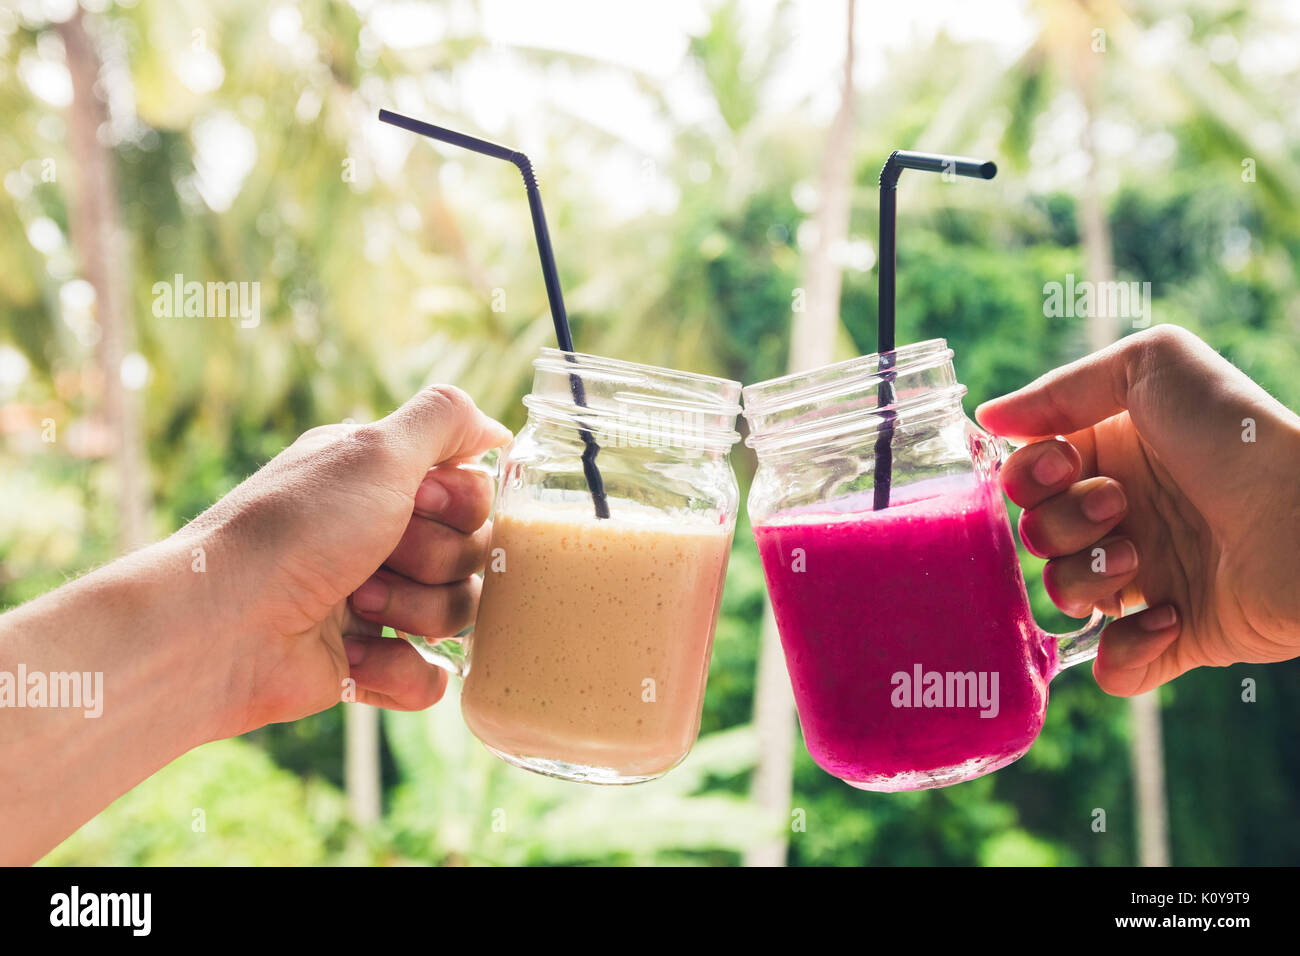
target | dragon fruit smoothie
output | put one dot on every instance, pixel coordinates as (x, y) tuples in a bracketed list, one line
[(907, 634)]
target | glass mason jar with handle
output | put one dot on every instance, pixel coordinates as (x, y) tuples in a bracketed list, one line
[(907, 633), (590, 651)]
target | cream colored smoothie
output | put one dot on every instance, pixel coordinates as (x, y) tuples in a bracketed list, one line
[(593, 638)]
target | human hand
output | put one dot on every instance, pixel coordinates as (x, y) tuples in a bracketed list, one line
[(1179, 473), (378, 512)]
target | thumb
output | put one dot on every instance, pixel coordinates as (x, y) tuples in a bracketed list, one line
[(1185, 399), (1068, 399), (439, 423), (1178, 390), (1187, 403)]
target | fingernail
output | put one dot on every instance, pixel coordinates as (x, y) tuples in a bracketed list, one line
[(1121, 558), (431, 497), (1102, 504), (1052, 467), (356, 651), (1157, 619), (371, 596)]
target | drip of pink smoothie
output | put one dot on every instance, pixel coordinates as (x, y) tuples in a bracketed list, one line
[(907, 634)]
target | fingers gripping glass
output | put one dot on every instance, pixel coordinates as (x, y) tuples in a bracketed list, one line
[(590, 648), (452, 652)]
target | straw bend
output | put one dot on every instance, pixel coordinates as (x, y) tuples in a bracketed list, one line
[(550, 275), (899, 160), (465, 141)]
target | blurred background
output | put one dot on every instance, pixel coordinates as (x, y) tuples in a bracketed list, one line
[(710, 180)]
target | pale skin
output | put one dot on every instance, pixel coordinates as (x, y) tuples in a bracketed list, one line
[(354, 527), (348, 529)]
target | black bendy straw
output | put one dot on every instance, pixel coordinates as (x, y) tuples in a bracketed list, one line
[(552, 277), (898, 161)]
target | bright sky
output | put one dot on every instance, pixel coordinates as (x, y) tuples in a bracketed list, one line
[(652, 37)]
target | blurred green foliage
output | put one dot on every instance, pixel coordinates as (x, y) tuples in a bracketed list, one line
[(225, 804)]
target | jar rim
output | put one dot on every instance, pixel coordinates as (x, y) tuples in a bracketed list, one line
[(638, 402), (845, 403), (553, 359), (775, 394)]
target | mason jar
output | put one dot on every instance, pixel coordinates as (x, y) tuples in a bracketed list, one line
[(893, 574), (611, 533)]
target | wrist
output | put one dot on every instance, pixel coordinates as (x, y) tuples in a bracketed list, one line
[(144, 690), (199, 594)]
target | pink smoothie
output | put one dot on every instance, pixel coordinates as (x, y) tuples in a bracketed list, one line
[(907, 634)]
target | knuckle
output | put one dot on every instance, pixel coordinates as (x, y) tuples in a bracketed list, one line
[(370, 436), (1165, 340), (447, 399), (371, 443), (320, 438), (1147, 351), (323, 433)]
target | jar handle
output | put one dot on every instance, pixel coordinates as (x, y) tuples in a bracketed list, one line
[(989, 452), (1078, 646), (452, 653)]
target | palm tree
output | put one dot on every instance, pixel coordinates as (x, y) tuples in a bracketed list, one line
[(97, 237), (812, 344)]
